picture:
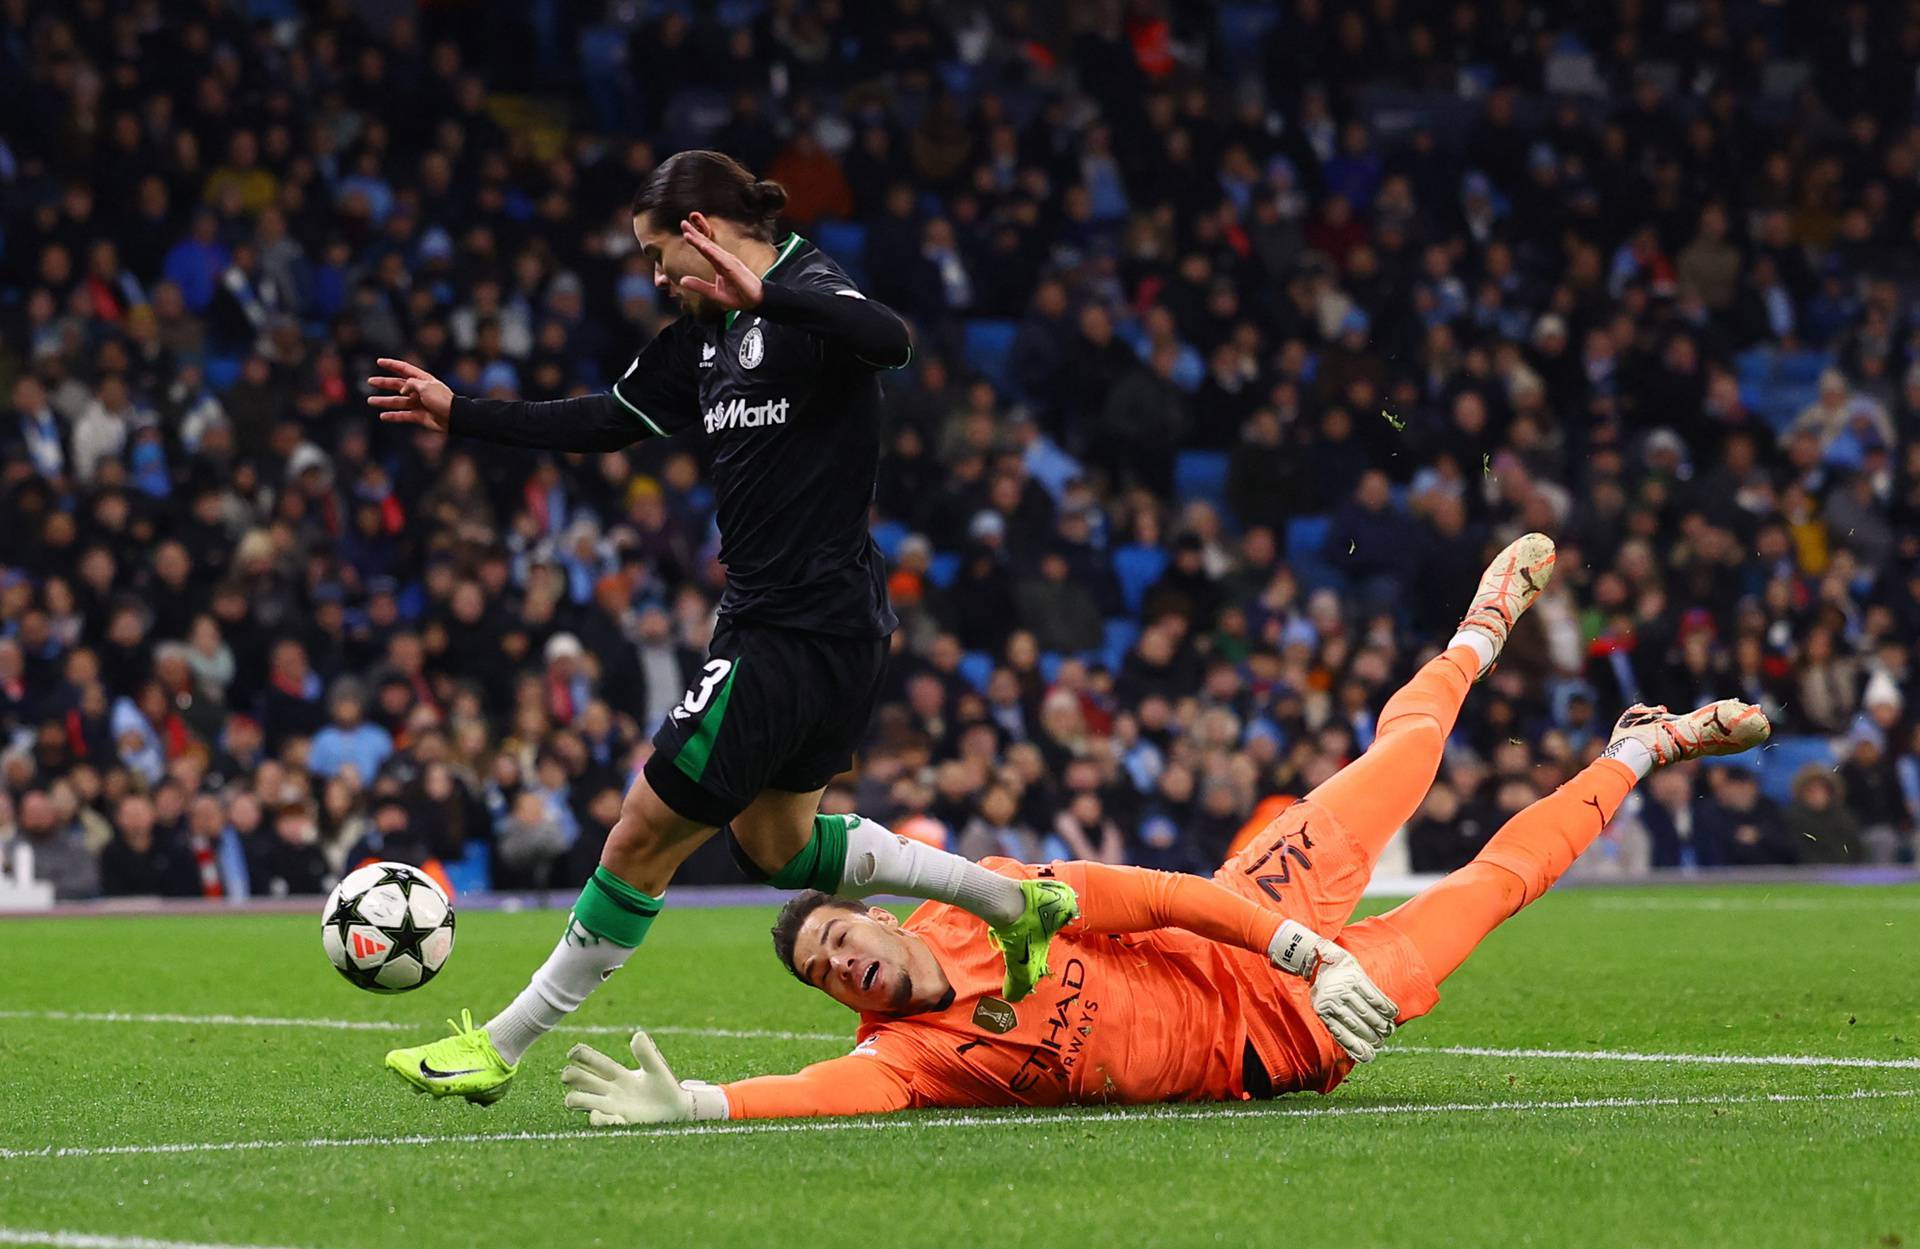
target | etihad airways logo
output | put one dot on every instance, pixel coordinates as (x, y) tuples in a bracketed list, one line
[(739, 414)]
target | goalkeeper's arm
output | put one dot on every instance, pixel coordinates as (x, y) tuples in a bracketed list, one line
[(1133, 899), (612, 1095)]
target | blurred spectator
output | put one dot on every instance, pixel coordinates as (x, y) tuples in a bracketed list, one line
[(1817, 825), (349, 741), (1746, 823)]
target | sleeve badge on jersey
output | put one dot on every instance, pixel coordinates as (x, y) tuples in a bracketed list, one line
[(991, 1014), (753, 348)]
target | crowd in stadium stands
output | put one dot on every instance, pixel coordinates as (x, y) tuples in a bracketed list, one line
[(1245, 333)]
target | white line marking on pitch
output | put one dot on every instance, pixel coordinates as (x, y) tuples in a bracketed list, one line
[(1859, 902), (388, 1025), (84, 1240), (1631, 1056), (752, 1034), (881, 1124)]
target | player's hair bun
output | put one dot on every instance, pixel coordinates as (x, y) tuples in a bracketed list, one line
[(766, 198), (712, 183)]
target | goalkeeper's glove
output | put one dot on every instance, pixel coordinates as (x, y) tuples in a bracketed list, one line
[(1359, 1016), (612, 1095)]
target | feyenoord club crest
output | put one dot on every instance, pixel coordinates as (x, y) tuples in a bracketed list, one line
[(752, 347)]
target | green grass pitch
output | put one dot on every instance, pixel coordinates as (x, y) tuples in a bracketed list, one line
[(1423, 1148)]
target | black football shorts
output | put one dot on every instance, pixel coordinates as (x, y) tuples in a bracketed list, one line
[(769, 709)]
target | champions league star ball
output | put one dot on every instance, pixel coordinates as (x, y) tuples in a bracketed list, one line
[(387, 927)]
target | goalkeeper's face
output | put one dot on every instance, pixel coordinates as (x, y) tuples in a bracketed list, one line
[(674, 258), (865, 960)]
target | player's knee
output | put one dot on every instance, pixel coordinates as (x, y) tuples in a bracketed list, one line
[(645, 824), (1408, 722), (1519, 879), (630, 835)]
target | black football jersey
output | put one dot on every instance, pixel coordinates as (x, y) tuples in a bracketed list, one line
[(789, 422)]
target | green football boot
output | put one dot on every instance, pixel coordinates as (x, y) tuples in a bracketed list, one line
[(462, 1065), (1051, 906)]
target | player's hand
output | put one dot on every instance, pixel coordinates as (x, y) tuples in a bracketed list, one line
[(613, 1096), (1359, 1016), (415, 396), (734, 286)]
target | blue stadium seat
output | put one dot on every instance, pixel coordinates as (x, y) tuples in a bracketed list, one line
[(958, 78), (1802, 368), (888, 535), (977, 668), (1778, 385), (1306, 554), (1245, 25), (988, 347), (1137, 568), (1754, 367), (1050, 662), (1778, 761), (731, 13), (1122, 633), (693, 115), (1201, 475), (605, 75), (472, 872), (1780, 402), (221, 372), (846, 242), (1307, 537), (943, 568)]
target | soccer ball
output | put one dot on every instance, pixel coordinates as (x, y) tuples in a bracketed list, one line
[(387, 927)]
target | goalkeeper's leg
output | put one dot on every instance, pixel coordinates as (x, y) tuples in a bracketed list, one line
[(1537, 846), (1378, 792), (1530, 852)]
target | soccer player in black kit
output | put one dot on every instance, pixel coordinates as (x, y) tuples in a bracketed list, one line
[(774, 367)]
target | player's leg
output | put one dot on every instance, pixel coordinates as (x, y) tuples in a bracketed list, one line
[(707, 765), (610, 919), (782, 839), (1536, 847), (1378, 792), (608, 922)]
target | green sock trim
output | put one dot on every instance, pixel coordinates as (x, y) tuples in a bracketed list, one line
[(822, 862), (612, 910)]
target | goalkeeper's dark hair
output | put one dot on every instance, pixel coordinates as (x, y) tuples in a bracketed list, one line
[(786, 927), (714, 184)]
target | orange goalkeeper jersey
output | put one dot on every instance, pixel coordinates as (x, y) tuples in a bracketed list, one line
[(1145, 1017)]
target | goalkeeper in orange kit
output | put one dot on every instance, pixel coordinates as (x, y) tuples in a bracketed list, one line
[(1177, 988)]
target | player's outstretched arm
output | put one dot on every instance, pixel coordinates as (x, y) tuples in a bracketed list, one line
[(409, 395), (1133, 899), (613, 1096), (1137, 899), (853, 1084), (873, 332)]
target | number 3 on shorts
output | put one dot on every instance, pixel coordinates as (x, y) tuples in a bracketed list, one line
[(697, 699)]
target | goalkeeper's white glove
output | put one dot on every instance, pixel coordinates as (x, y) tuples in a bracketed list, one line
[(1359, 1016), (612, 1095)]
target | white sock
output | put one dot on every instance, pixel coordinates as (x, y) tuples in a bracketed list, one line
[(574, 969), (1633, 753), (881, 861), (1479, 643)]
